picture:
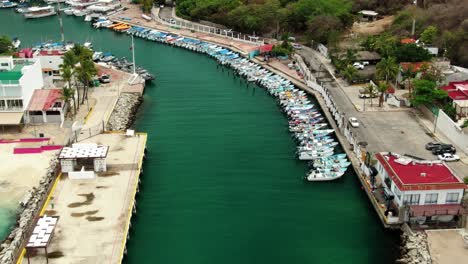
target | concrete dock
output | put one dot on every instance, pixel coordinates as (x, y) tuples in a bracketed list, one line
[(95, 213)]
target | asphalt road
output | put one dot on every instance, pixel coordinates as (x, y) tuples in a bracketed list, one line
[(395, 131)]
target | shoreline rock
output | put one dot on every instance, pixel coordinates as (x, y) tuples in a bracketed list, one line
[(27, 211), (124, 112), (414, 248)]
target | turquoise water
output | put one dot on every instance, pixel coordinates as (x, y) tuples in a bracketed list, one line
[(220, 183)]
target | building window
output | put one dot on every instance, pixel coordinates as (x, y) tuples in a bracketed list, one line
[(16, 103), (2, 104), (4, 64), (397, 192), (431, 198), (452, 198), (411, 199)]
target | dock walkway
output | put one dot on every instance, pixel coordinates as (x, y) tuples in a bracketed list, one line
[(95, 213)]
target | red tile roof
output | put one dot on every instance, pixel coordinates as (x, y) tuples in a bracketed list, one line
[(408, 177), (44, 99), (415, 66), (457, 95), (51, 53), (408, 41)]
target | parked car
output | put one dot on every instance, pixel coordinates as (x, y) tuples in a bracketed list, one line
[(448, 157), (358, 66), (172, 21), (444, 149), (354, 122), (431, 145), (104, 78), (368, 95)]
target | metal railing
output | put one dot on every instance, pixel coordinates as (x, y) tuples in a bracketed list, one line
[(229, 34)]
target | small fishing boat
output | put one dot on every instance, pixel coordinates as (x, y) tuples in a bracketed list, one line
[(97, 56), (322, 175), (107, 57), (8, 4), (88, 45), (38, 12)]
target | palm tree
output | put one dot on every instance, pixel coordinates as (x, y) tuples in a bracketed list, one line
[(349, 72), (371, 90), (387, 68), (67, 77), (85, 72), (69, 64), (350, 56), (67, 95), (408, 75), (382, 87)]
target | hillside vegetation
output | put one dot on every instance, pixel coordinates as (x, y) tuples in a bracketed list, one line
[(446, 23)]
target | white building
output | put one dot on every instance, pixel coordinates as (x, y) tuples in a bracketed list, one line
[(82, 160), (18, 80), (50, 63), (46, 106), (422, 190)]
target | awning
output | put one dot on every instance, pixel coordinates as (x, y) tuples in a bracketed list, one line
[(13, 118), (436, 209)]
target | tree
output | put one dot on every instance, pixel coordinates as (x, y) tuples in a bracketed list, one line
[(371, 90), (85, 73), (350, 56), (5, 45), (429, 34), (411, 53), (427, 93), (320, 28), (349, 72), (67, 76), (382, 87), (432, 73), (387, 69), (69, 64), (146, 6), (68, 94), (408, 75)]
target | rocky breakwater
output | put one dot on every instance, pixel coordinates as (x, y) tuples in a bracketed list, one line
[(415, 249), (29, 209), (124, 112)]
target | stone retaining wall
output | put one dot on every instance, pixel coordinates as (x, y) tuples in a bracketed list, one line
[(25, 221), (414, 248), (124, 112)]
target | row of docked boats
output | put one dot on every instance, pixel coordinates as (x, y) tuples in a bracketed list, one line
[(121, 64), (306, 123)]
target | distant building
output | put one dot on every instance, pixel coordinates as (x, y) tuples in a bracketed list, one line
[(415, 67), (18, 80), (458, 93), (368, 15), (46, 106), (422, 191)]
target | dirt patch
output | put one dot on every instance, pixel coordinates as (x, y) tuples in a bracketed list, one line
[(372, 28), (50, 212), (55, 254), (84, 213), (94, 218), (89, 197)]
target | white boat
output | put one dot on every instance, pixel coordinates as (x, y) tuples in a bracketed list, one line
[(16, 43), (88, 18), (97, 56), (8, 4), (319, 175), (102, 23), (80, 12), (88, 45), (37, 12), (54, 1), (104, 6), (68, 11), (311, 155)]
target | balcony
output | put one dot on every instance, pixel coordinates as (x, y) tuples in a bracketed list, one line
[(11, 109)]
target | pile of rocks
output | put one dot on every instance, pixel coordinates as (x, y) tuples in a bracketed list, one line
[(30, 206), (415, 248), (124, 112)]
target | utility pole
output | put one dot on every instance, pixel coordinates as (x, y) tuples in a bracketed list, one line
[(61, 22), (414, 18)]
